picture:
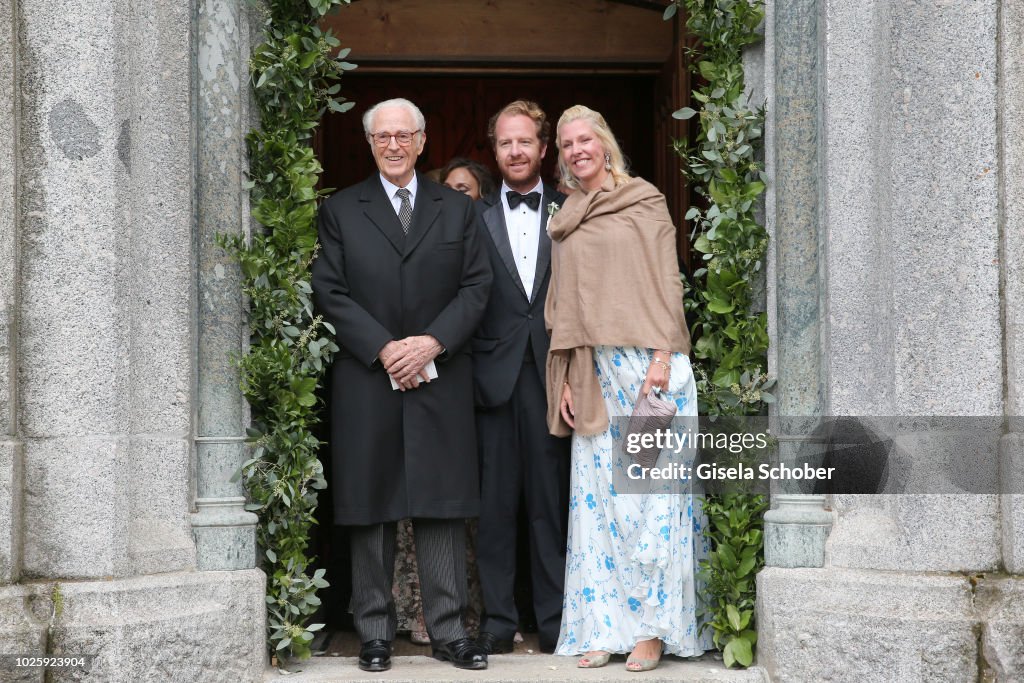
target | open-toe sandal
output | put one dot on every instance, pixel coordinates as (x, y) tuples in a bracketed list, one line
[(594, 660)]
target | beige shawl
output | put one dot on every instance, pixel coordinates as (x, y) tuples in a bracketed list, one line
[(614, 282)]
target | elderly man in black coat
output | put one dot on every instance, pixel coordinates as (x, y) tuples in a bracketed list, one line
[(404, 280)]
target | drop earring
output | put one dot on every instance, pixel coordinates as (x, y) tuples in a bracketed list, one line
[(607, 161)]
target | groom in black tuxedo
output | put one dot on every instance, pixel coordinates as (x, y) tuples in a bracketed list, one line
[(518, 458)]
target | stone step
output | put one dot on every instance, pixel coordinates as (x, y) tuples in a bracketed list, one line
[(536, 668)]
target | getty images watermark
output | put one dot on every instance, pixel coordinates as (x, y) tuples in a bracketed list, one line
[(887, 455), (676, 443)]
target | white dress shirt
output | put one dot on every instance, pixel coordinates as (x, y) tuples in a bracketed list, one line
[(390, 189), (523, 225)]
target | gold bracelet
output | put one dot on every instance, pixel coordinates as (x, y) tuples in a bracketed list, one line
[(661, 363)]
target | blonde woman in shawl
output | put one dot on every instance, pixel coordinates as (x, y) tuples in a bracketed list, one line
[(615, 311)]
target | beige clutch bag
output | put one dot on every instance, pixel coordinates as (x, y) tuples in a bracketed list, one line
[(651, 413)]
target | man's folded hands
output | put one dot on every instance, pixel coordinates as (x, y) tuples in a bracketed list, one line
[(405, 359)]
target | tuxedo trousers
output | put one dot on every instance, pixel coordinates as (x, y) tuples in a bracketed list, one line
[(520, 460), (441, 556)]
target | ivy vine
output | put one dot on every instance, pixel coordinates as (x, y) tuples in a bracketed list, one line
[(723, 165), (294, 80)]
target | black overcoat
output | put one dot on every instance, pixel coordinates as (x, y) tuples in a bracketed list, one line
[(512, 317), (401, 454)]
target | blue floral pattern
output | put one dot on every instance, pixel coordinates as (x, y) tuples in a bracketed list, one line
[(631, 561)]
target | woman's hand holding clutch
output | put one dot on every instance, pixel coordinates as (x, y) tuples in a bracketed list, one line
[(657, 372)]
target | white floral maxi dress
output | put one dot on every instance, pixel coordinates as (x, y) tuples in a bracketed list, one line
[(631, 562)]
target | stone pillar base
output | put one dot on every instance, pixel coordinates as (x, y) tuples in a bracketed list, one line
[(225, 534), (795, 532), (186, 627), (869, 626)]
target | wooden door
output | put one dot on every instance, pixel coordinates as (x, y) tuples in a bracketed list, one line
[(672, 91)]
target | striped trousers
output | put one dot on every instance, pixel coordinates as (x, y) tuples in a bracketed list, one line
[(441, 556)]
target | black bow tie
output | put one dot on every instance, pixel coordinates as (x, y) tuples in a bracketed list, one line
[(515, 199)]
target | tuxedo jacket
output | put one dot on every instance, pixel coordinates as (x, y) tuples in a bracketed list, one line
[(513, 316)]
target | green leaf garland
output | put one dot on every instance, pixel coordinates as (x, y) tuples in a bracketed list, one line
[(294, 81), (724, 167)]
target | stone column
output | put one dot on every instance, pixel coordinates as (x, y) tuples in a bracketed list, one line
[(155, 149), (19, 630), (1011, 447), (11, 452), (97, 273), (105, 346), (912, 205), (797, 526), (910, 325), (224, 531), (73, 327), (1004, 632)]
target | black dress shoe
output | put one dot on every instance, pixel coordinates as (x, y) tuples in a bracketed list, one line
[(375, 655), (492, 644), (463, 653)]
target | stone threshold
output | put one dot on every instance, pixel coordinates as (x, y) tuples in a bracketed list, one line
[(513, 668)]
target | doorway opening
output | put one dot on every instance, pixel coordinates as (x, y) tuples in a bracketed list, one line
[(460, 61)]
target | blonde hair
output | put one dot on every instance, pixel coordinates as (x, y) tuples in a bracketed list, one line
[(521, 108), (619, 170)]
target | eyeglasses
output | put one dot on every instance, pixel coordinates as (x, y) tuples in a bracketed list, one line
[(403, 138)]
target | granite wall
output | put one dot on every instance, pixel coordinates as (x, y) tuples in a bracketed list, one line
[(106, 248), (906, 292)]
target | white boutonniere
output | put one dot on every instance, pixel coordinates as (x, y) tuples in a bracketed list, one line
[(553, 208)]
